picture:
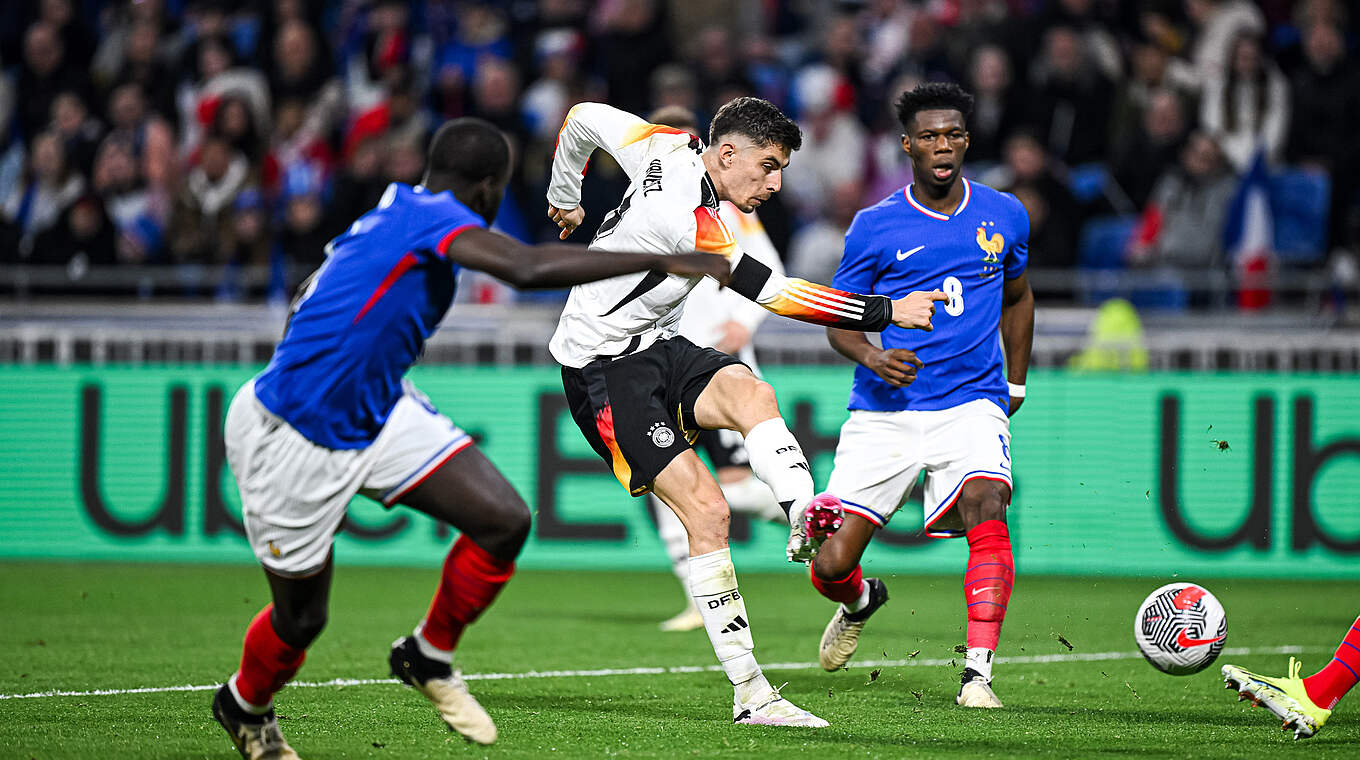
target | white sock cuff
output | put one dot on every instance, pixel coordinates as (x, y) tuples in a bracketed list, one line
[(712, 573), (241, 701), (772, 426), (428, 649)]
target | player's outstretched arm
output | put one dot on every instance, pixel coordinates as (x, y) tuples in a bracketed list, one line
[(558, 266), (1017, 332), (822, 305), (897, 366)]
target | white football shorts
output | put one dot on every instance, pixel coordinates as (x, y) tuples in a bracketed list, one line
[(880, 457), (294, 493)]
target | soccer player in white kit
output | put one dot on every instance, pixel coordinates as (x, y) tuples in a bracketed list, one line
[(937, 403), (640, 393), (717, 318)]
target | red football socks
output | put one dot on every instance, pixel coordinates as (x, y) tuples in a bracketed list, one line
[(1327, 686), (846, 590), (987, 582), (267, 663), (471, 579)]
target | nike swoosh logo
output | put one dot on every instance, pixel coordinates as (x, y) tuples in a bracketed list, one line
[(903, 256), (977, 591), (1186, 641)]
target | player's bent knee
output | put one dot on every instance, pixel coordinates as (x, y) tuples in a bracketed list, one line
[(762, 399), (834, 562), (832, 565), (505, 535)]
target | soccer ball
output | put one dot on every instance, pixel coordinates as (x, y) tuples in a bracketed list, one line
[(1180, 629)]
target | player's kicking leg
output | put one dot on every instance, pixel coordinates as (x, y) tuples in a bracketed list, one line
[(468, 492), (735, 399), (1304, 704), (987, 584), (686, 485), (275, 646), (836, 574)]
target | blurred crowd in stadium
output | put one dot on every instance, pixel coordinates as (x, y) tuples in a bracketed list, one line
[(211, 136)]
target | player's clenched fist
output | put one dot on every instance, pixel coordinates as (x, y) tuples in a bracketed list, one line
[(567, 219), (914, 310), (897, 366)]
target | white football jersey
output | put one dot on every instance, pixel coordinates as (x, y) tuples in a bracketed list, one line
[(670, 207), (709, 307)]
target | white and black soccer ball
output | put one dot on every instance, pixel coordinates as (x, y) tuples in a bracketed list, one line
[(1180, 629)]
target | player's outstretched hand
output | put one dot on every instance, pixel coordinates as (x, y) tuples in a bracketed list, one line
[(914, 310), (698, 265), (897, 366), (567, 219)]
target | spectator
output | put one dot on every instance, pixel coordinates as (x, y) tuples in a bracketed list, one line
[(1326, 107), (83, 237), (200, 229), (76, 38), (1148, 152), (80, 133), (1055, 216), (249, 244), (1246, 107), (142, 62), (716, 67), (997, 106), (1182, 225), (1149, 74), (1070, 106), (302, 235), (631, 42), (834, 142), (134, 210), (359, 184), (1219, 23), (296, 139), (45, 72), (38, 203), (151, 138), (816, 250), (560, 82)]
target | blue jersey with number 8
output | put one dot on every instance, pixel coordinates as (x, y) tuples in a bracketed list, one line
[(899, 245)]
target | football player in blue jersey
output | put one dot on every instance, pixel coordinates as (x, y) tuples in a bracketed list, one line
[(939, 401), (332, 415)]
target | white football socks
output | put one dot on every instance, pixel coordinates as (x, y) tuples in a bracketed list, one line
[(713, 584), (777, 459), (979, 659)]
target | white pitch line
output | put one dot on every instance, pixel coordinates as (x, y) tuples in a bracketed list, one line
[(1040, 659)]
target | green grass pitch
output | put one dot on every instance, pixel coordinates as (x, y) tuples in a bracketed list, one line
[(88, 627)]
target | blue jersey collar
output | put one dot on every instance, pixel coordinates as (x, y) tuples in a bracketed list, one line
[(933, 214)]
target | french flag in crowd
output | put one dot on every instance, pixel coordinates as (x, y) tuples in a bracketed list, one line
[(1250, 235)]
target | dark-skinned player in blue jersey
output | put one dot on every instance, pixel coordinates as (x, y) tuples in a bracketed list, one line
[(332, 415), (938, 401)]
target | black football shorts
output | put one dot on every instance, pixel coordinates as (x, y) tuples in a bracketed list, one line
[(637, 411)]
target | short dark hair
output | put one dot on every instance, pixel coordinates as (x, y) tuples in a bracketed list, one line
[(468, 150), (757, 119), (931, 96)]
